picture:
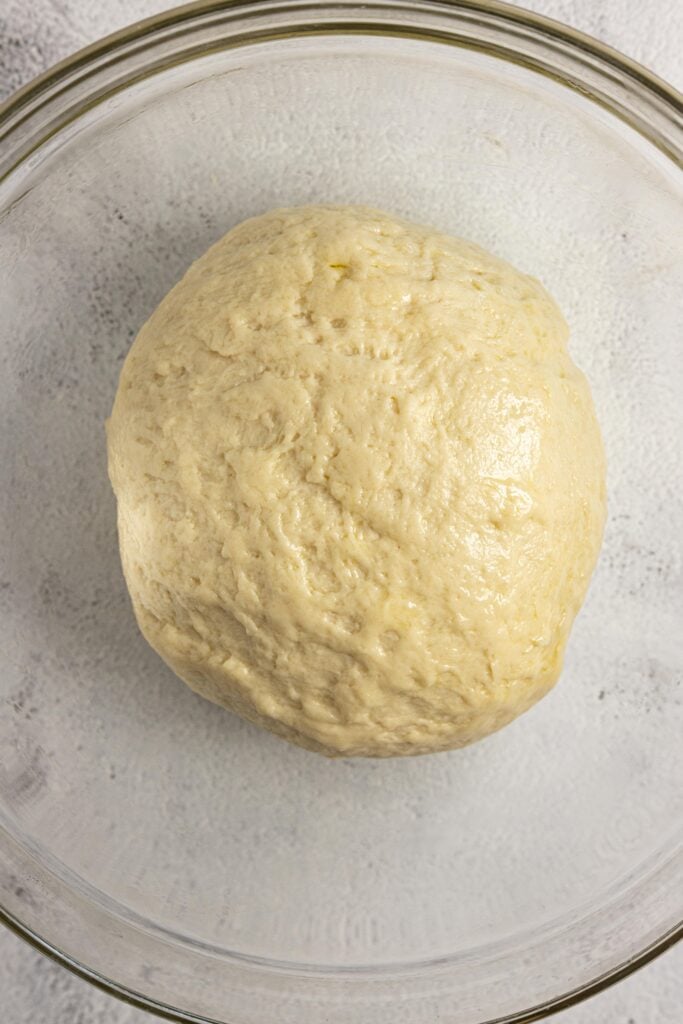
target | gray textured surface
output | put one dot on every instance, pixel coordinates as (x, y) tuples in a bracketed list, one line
[(33, 37)]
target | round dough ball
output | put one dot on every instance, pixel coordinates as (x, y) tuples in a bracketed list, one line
[(360, 482)]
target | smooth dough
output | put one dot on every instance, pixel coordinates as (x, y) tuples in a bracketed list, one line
[(360, 482)]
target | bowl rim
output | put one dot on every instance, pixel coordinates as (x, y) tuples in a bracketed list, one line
[(662, 99), (19, 108), (164, 1010)]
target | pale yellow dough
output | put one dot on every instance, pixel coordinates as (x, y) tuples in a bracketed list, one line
[(360, 482)]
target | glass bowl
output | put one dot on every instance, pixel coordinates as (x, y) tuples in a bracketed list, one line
[(173, 853)]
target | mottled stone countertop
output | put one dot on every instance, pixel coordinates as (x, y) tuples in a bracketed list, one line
[(33, 990)]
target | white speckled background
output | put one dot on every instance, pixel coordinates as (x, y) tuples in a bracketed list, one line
[(32, 37)]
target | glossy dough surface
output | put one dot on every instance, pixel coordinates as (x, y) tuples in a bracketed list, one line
[(360, 482)]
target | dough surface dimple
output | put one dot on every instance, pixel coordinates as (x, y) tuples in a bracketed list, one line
[(360, 482)]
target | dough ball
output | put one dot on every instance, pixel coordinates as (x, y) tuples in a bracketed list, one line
[(360, 482)]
